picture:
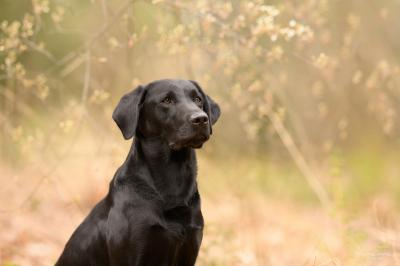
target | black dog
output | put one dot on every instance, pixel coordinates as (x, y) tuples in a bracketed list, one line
[(151, 214)]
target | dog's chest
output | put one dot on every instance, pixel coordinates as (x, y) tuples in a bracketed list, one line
[(187, 213), (180, 221)]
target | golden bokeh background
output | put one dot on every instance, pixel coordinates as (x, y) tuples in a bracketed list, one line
[(302, 168)]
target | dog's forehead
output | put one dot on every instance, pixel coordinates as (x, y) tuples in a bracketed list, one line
[(178, 86)]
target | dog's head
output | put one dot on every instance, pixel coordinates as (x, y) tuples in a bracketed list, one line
[(177, 111)]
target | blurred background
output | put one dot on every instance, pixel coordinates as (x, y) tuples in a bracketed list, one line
[(303, 166)]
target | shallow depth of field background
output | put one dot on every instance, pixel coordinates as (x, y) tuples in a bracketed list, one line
[(303, 167)]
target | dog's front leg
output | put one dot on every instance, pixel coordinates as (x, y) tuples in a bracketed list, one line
[(118, 240)]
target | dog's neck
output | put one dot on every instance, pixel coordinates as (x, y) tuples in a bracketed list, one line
[(172, 172)]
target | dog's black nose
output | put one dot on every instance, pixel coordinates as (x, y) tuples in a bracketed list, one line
[(199, 119)]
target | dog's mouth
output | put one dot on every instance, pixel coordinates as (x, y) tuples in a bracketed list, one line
[(195, 143)]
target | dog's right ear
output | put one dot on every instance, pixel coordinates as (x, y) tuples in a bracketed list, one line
[(126, 114)]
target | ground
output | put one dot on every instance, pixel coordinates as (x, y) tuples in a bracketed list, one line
[(245, 225)]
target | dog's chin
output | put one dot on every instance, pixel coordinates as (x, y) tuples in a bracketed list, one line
[(195, 143)]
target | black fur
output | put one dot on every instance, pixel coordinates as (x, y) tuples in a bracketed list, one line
[(151, 215)]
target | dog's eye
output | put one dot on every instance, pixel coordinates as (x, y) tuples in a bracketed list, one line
[(167, 100), (197, 100)]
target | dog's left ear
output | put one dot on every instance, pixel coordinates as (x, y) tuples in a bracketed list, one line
[(126, 114), (210, 107)]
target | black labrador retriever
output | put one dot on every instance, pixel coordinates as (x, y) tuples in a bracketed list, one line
[(151, 214)]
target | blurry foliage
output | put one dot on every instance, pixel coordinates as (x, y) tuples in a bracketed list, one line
[(329, 69)]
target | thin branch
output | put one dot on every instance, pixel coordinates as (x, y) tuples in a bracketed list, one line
[(299, 160), (104, 8), (40, 50), (106, 26), (47, 175), (113, 20), (86, 82)]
